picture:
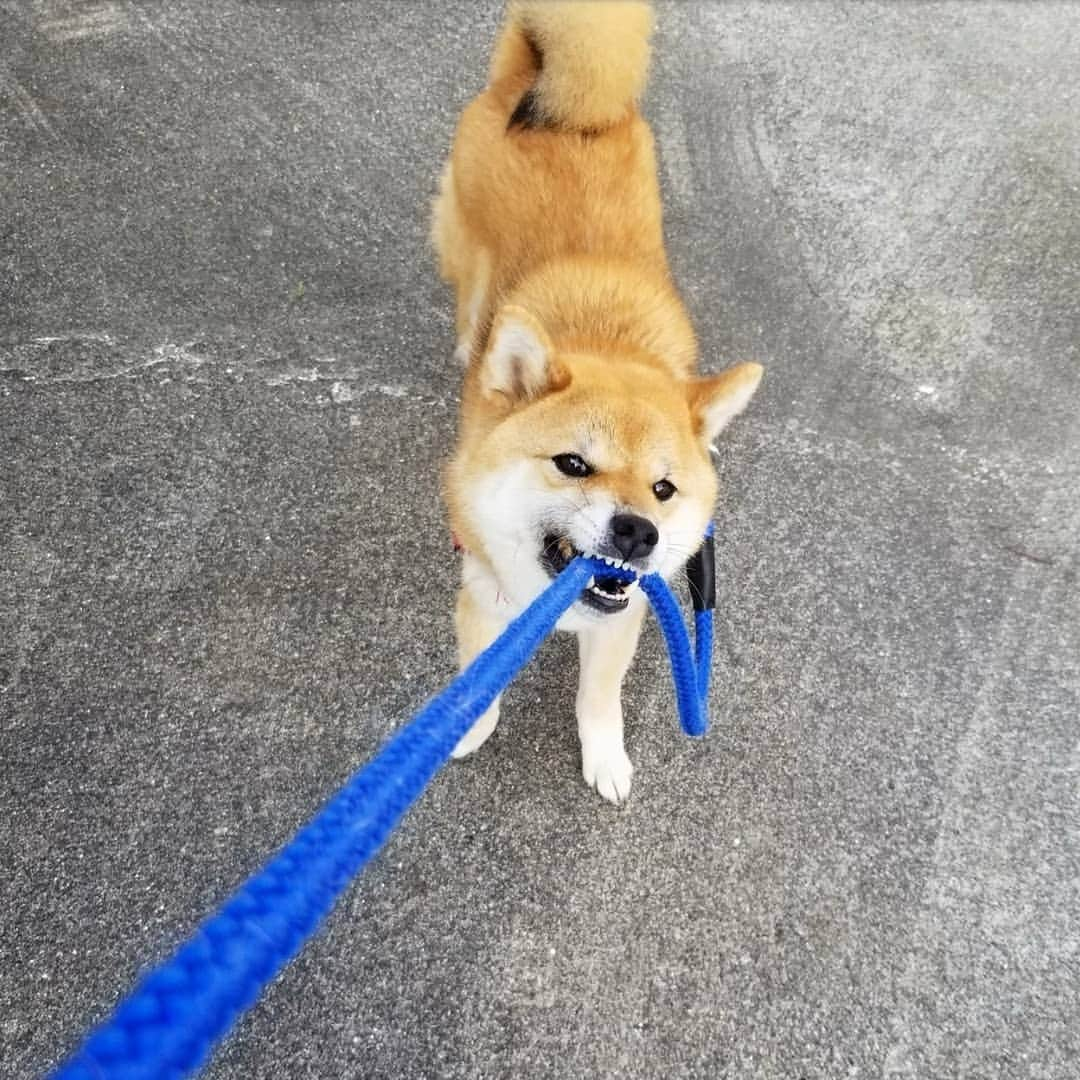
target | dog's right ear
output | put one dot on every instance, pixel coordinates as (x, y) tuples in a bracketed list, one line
[(520, 363)]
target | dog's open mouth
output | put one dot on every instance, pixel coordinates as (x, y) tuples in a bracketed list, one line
[(606, 594)]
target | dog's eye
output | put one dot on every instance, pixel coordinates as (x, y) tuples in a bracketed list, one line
[(572, 465), (664, 489)]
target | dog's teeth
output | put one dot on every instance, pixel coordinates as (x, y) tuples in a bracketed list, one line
[(591, 584)]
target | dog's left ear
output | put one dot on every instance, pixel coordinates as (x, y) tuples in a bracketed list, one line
[(717, 399), (520, 363)]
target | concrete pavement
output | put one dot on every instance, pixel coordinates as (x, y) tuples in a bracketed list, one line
[(226, 390)]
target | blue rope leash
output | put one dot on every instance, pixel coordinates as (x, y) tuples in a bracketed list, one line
[(169, 1024)]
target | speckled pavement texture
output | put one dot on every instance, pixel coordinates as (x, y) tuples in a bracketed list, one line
[(226, 390)]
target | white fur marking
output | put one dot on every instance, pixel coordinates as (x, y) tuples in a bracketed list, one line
[(605, 765), (517, 361)]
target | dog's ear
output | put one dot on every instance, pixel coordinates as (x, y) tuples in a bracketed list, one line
[(520, 363), (717, 399)]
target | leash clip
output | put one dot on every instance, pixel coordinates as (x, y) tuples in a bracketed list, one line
[(701, 575)]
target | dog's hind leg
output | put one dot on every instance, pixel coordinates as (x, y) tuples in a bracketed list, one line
[(463, 263), (472, 307)]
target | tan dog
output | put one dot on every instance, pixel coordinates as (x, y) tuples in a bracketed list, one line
[(583, 426)]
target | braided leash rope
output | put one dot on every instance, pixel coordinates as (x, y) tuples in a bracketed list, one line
[(169, 1024)]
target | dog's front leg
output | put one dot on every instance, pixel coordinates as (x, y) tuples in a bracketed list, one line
[(606, 650), (477, 628)]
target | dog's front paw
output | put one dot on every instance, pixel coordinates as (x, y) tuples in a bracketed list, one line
[(607, 770)]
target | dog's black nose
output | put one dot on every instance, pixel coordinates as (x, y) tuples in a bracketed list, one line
[(633, 536)]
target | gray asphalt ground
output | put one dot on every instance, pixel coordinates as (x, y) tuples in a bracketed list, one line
[(226, 389)]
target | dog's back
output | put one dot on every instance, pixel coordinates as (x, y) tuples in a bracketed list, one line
[(552, 159)]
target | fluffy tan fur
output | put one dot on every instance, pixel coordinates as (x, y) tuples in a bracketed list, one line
[(575, 341), (595, 57)]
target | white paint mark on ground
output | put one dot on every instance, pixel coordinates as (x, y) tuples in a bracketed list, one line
[(167, 353), (340, 390), (75, 335), (389, 390), (73, 20), (174, 354), (295, 375)]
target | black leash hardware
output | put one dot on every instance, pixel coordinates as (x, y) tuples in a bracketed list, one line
[(701, 575)]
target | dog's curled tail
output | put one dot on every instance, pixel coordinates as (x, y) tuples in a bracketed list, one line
[(588, 60)]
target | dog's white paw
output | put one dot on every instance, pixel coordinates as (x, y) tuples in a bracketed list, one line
[(607, 770), (478, 734)]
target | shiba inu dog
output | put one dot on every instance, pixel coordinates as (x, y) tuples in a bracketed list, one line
[(584, 427)]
